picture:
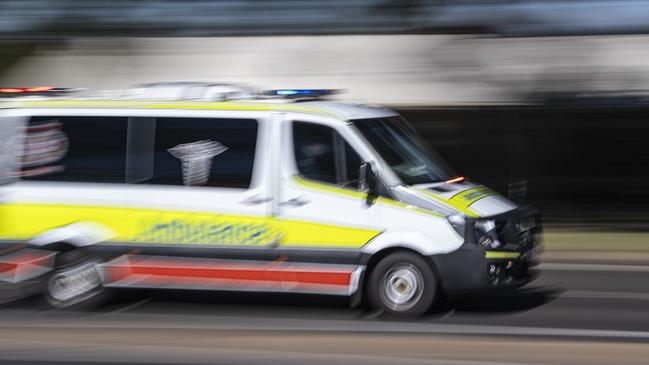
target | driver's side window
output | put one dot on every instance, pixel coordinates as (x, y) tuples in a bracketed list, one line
[(321, 154)]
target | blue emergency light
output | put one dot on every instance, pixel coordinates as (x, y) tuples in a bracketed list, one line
[(300, 93)]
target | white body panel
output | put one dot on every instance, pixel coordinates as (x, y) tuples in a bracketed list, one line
[(272, 187), (492, 205), (302, 203), (399, 226), (252, 202), (423, 233)]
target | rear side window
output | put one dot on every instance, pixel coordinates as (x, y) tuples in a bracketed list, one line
[(167, 151), (79, 149), (200, 152), (321, 154)]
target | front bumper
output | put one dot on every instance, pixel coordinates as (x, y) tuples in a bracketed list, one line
[(469, 269), (473, 267)]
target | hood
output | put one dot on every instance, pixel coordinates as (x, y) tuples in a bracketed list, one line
[(467, 198)]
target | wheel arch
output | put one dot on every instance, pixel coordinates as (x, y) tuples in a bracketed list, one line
[(371, 260), (74, 235)]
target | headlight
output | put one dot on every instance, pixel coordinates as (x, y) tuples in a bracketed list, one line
[(486, 234), (458, 223)]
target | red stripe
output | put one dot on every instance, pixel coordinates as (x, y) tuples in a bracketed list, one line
[(234, 271), (331, 278), (287, 275), (6, 266), (21, 258)]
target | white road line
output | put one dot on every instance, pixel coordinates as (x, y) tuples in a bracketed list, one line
[(238, 323), (542, 331), (593, 267), (457, 329), (593, 294)]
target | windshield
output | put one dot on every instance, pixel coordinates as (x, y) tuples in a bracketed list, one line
[(401, 147)]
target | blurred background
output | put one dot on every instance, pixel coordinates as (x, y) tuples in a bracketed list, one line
[(546, 101), (544, 98)]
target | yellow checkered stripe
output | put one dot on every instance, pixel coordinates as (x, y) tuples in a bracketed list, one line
[(25, 221), (138, 104), (463, 200)]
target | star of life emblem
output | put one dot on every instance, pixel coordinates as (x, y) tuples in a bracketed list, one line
[(196, 159)]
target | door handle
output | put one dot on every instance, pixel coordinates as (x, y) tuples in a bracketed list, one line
[(256, 200), (295, 202)]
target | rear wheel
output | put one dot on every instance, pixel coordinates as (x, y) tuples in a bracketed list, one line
[(402, 283), (75, 283)]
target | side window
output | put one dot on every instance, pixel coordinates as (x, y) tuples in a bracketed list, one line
[(321, 154), (202, 151), (79, 149), (352, 166)]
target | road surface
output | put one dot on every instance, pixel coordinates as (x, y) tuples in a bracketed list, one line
[(573, 314)]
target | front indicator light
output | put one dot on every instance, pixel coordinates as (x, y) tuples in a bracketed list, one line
[(456, 179)]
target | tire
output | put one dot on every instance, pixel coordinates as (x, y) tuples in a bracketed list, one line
[(402, 283), (75, 283)]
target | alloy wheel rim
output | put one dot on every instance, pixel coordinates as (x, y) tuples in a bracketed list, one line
[(402, 287)]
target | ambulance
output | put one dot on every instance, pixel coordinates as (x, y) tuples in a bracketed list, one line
[(207, 186)]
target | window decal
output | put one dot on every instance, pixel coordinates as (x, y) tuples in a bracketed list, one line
[(196, 160), (43, 144)]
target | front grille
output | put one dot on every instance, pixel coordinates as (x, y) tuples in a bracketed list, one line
[(517, 231), (514, 235)]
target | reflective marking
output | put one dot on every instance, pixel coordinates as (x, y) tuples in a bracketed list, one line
[(260, 274), (501, 255), (155, 226), (457, 205), (470, 196)]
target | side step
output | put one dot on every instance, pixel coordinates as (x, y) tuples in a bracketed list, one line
[(133, 271)]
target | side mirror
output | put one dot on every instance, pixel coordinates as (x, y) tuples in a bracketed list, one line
[(368, 182)]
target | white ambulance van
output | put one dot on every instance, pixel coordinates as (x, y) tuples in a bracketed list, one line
[(209, 187)]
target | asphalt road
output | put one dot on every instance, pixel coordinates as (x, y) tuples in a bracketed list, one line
[(574, 313)]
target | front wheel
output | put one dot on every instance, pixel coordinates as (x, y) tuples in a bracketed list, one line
[(402, 283)]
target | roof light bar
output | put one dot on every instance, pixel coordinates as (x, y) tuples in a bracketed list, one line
[(11, 90), (300, 93), (36, 90), (39, 89), (17, 90)]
